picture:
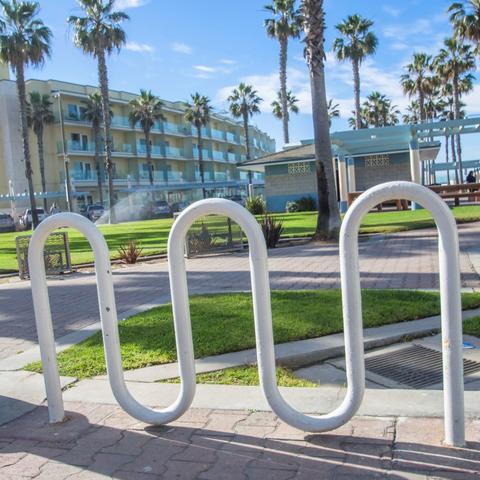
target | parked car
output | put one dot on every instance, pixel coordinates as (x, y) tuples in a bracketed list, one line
[(6, 223), (237, 199), (160, 208), (179, 206), (26, 217), (93, 212)]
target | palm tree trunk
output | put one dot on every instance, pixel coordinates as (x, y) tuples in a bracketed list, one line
[(41, 161), (22, 98), (200, 160), (456, 107), (356, 88), (454, 158), (103, 80), (421, 102), (247, 143), (148, 149), (283, 87), (96, 135), (328, 220)]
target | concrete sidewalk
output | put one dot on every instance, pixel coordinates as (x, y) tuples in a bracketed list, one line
[(102, 442)]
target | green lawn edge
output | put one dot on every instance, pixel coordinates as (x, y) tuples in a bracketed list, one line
[(223, 323)]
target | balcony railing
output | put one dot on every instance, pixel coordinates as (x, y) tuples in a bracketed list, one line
[(176, 128), (231, 157), (232, 138), (218, 134), (173, 152), (142, 149), (217, 155), (206, 153)]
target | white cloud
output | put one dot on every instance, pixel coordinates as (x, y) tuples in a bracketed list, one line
[(227, 61), (394, 12), (204, 68), (139, 47), (472, 101), (180, 47), (124, 4)]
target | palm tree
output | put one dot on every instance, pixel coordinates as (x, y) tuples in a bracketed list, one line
[(328, 220), (333, 111), (94, 114), (39, 114), (286, 23), (453, 63), (198, 114), (352, 121), (292, 106), (465, 19), (378, 110), (24, 41), (99, 34), (417, 81), (146, 110), (356, 44), (412, 116), (244, 102)]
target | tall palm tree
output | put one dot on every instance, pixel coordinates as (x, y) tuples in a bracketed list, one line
[(277, 108), (99, 33), (465, 19), (418, 81), (356, 43), (412, 114), (146, 109), (39, 114), (94, 114), (352, 121), (24, 41), (244, 102), (379, 111), (286, 23), (328, 220), (455, 60), (333, 111), (198, 114)]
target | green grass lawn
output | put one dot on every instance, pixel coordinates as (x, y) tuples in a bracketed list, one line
[(247, 376), (152, 235), (224, 323), (472, 326)]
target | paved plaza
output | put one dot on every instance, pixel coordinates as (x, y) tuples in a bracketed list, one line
[(404, 260), (101, 441)]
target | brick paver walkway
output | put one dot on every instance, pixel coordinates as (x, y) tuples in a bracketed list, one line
[(406, 260), (101, 441)]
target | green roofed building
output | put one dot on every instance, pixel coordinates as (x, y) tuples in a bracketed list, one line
[(361, 159)]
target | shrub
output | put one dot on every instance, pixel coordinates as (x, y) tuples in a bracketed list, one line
[(291, 207), (129, 253), (256, 205), (306, 204), (201, 242), (272, 230)]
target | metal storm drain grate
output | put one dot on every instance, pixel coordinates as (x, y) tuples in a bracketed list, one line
[(415, 366)]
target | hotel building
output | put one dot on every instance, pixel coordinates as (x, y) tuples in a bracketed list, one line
[(174, 150)]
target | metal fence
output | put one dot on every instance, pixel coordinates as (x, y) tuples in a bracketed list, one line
[(213, 234), (56, 254)]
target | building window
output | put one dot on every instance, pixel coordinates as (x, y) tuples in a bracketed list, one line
[(72, 111), (373, 161), (299, 168)]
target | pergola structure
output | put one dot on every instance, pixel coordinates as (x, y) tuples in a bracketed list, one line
[(422, 140)]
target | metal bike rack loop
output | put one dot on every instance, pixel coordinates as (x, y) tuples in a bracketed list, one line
[(109, 322), (351, 302)]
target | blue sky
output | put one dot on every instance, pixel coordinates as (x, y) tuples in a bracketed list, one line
[(178, 47)]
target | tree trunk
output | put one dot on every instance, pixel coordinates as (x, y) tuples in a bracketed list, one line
[(283, 87), (421, 102), (103, 80), (96, 135), (454, 158), (456, 108), (200, 160), (148, 149), (328, 220), (41, 162), (247, 144), (22, 98), (356, 88)]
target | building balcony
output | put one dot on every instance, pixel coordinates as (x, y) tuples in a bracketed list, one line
[(218, 134), (231, 137), (174, 152), (174, 128), (206, 154), (232, 157), (219, 156), (156, 150)]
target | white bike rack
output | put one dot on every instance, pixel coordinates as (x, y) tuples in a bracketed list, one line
[(351, 299)]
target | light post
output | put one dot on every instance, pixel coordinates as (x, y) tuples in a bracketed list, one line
[(68, 189)]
